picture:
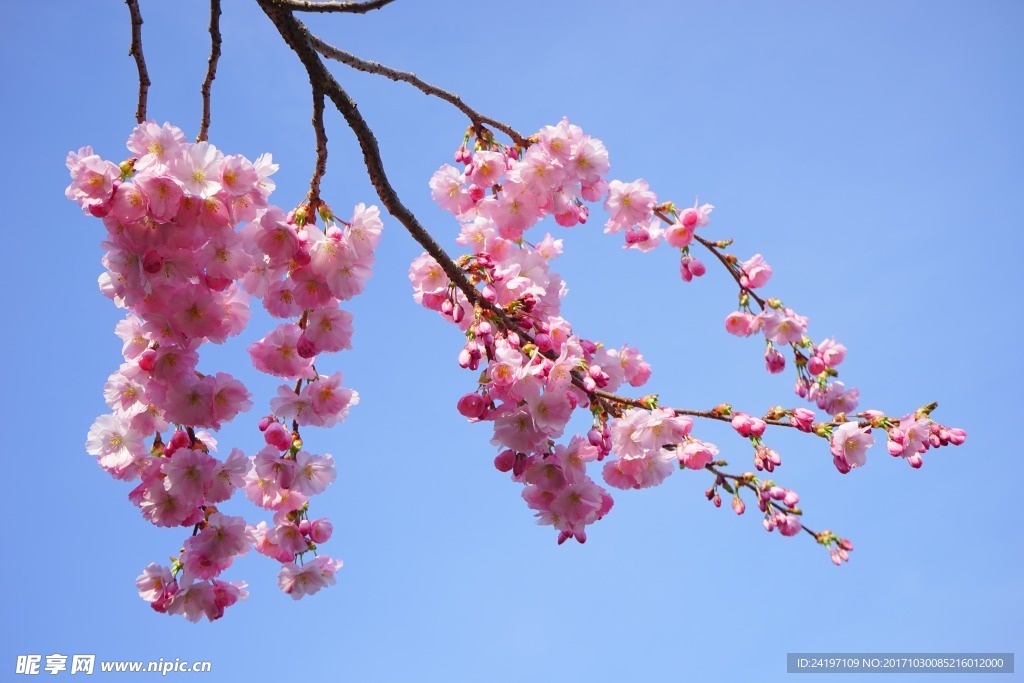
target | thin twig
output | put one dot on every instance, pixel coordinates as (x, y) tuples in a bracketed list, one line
[(350, 7), (211, 68), (331, 52), (298, 38), (140, 61), (321, 149)]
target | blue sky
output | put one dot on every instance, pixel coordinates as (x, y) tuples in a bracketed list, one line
[(870, 151)]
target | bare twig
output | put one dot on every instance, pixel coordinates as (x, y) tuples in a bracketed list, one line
[(350, 7), (331, 52), (211, 68), (321, 149), (140, 61)]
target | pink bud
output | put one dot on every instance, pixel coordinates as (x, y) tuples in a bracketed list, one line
[(684, 271), (957, 436), (152, 262), (697, 267), (774, 361), (739, 506), (147, 360), (304, 527), (304, 347), (472, 406), (846, 544), (320, 530), (791, 499), (265, 422), (689, 218), (277, 436), (815, 365), (915, 460), (504, 461)]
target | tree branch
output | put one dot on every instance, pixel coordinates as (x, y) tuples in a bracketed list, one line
[(350, 7), (321, 149), (331, 52), (140, 61), (211, 68)]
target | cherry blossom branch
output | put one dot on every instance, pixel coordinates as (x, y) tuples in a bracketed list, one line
[(478, 119), (298, 37), (211, 68), (727, 260), (321, 150), (349, 7), (140, 60)]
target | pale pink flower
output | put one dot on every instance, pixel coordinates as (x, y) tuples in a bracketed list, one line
[(447, 187), (697, 454), (276, 354), (313, 473), (114, 443), (756, 272), (849, 444), (628, 204), (155, 146), (308, 579), (364, 230), (197, 169)]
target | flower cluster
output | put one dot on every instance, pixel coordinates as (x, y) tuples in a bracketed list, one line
[(535, 371), (190, 236)]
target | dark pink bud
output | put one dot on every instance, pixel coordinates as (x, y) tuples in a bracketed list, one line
[(505, 460), (265, 422), (277, 436), (458, 313), (304, 347), (684, 271), (594, 437), (697, 267), (815, 365), (152, 262), (304, 526), (147, 360), (472, 405)]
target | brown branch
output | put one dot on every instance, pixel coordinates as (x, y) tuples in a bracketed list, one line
[(298, 38), (321, 150), (331, 52), (140, 61), (349, 7), (211, 68)]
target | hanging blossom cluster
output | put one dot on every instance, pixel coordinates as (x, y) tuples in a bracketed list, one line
[(535, 370), (190, 236), (634, 208)]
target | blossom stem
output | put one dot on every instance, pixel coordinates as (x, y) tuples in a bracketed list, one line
[(140, 60), (211, 68)]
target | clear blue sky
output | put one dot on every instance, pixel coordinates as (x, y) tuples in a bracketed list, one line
[(871, 151)]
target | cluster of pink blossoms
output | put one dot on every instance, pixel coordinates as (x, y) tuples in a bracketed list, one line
[(535, 371), (190, 235), (530, 387), (634, 208)]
